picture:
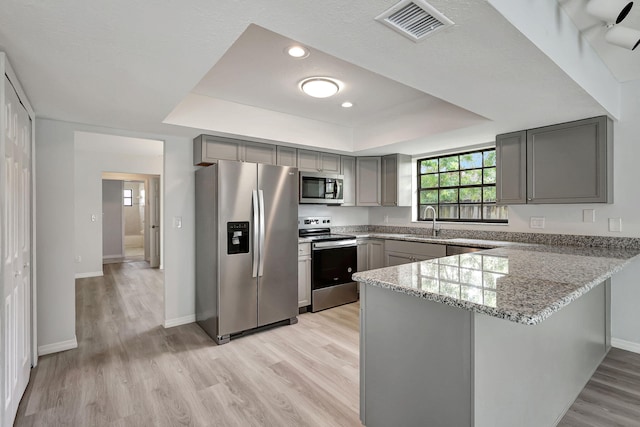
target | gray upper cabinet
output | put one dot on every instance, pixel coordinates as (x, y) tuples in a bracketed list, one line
[(317, 161), (286, 156), (330, 162), (511, 173), (348, 169), (564, 163), (308, 160), (208, 149), (368, 181), (571, 162), (396, 180), (256, 152)]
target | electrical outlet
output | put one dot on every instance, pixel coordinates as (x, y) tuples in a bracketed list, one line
[(386, 219), (536, 222), (588, 215), (177, 222), (78, 259), (93, 217), (615, 224)]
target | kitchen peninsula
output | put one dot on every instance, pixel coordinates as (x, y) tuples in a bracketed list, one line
[(502, 337)]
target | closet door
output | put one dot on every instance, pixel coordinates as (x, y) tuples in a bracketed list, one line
[(16, 252)]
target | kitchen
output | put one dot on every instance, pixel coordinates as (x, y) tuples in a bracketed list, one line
[(470, 80)]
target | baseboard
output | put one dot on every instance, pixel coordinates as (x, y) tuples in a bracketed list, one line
[(113, 256), (170, 323), (625, 345), (58, 347), (89, 274)]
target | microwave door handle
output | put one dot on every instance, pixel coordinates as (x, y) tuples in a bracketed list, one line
[(256, 226), (336, 185)]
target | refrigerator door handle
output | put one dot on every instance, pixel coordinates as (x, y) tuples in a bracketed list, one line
[(256, 226), (262, 233)]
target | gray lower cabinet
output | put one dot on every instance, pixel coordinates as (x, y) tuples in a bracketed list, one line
[(565, 163), (398, 252), (348, 170), (304, 274), (286, 156), (396, 180), (368, 181), (370, 254)]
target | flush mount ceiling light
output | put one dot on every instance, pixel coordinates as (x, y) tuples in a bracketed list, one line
[(347, 104), (609, 11), (320, 87), (297, 51)]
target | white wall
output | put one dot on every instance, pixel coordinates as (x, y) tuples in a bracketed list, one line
[(89, 167), (54, 241), (55, 220)]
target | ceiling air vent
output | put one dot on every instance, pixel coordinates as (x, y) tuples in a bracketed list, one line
[(414, 19)]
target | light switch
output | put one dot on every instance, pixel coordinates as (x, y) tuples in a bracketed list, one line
[(177, 222), (536, 222), (588, 215), (615, 224)]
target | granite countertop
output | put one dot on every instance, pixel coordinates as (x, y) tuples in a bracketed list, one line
[(521, 283)]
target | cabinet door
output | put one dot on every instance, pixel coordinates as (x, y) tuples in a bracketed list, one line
[(389, 170), (511, 168), (330, 162), (256, 152), (397, 258), (368, 181), (570, 162), (208, 149), (348, 169), (304, 281), (286, 156), (376, 254), (363, 255), (308, 160)]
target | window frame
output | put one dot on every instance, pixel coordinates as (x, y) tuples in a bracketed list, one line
[(458, 187), (129, 197)]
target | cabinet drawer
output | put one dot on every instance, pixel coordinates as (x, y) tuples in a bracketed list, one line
[(426, 249), (304, 249)]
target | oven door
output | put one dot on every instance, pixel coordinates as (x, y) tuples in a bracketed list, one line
[(333, 263)]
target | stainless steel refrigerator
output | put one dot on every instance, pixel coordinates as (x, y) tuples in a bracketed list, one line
[(246, 247)]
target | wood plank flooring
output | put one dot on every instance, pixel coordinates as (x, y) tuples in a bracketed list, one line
[(130, 371)]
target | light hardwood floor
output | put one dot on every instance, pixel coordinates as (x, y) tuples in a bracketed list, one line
[(130, 371)]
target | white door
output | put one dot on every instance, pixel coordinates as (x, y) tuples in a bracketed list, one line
[(154, 222), (16, 253)]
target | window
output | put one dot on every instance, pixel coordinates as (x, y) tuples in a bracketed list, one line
[(460, 187), (128, 197)]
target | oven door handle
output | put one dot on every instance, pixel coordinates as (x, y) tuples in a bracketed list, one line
[(335, 244)]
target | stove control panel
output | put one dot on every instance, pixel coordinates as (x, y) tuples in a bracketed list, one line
[(314, 221)]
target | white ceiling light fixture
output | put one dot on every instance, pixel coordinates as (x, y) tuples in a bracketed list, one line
[(297, 51), (627, 38), (609, 11), (320, 87), (613, 12), (347, 104)]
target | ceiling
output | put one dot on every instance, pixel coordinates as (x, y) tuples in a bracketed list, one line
[(183, 68)]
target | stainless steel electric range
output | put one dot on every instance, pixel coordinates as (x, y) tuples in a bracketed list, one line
[(334, 259)]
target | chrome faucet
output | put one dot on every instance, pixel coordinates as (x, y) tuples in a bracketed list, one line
[(434, 232)]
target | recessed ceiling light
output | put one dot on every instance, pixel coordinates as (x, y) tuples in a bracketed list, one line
[(347, 104), (320, 87), (297, 51)]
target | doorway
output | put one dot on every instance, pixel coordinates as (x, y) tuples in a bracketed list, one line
[(131, 218)]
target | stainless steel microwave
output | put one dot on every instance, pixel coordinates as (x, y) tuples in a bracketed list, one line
[(321, 188)]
